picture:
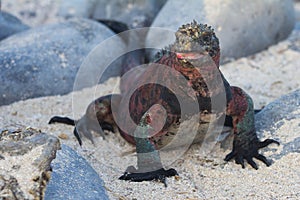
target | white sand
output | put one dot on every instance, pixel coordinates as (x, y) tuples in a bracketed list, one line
[(200, 177), (266, 77)]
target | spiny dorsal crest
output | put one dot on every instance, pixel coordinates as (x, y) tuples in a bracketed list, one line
[(195, 31)]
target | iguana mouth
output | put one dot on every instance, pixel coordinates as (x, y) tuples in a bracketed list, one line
[(191, 55)]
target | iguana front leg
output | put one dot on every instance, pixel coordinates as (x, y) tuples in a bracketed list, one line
[(148, 158), (246, 144)]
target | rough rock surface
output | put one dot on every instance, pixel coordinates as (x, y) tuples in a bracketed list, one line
[(10, 189), (44, 60), (282, 114), (243, 29), (76, 8), (10, 25), (25, 157), (268, 74), (71, 175), (33, 12), (135, 13)]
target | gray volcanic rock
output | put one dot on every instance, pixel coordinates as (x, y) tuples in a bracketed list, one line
[(76, 8), (25, 157), (44, 61), (135, 13), (10, 189), (282, 114), (10, 25), (243, 28), (285, 107), (73, 178)]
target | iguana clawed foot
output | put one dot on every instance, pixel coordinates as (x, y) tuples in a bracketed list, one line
[(243, 152), (158, 175)]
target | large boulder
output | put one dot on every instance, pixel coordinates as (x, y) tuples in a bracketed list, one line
[(76, 8), (25, 157), (44, 60), (73, 178), (280, 120), (10, 25), (243, 28), (135, 13), (268, 74), (33, 13)]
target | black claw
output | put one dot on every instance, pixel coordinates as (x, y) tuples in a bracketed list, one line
[(252, 163), (165, 183), (267, 142), (257, 111), (77, 136), (241, 152), (63, 120), (263, 159), (54, 120), (51, 121), (239, 160), (229, 156), (158, 175)]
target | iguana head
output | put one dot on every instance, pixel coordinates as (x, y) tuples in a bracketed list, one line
[(195, 40)]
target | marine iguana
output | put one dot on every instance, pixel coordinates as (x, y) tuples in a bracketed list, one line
[(195, 54)]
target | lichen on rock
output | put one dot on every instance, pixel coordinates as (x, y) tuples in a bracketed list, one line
[(26, 154)]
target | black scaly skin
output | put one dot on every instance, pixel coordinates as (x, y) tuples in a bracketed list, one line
[(240, 112), (181, 55)]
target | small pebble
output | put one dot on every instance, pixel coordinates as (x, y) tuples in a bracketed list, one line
[(63, 136)]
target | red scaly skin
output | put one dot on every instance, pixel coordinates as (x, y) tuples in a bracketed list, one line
[(195, 46), (194, 41)]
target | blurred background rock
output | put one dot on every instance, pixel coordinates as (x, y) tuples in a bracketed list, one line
[(243, 30)]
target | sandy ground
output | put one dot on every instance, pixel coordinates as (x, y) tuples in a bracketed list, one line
[(265, 76), (201, 177)]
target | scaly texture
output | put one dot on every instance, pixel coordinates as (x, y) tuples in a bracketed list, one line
[(195, 56)]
